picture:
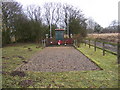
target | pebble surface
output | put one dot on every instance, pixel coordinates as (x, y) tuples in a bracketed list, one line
[(59, 59)]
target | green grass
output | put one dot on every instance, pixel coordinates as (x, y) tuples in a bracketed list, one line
[(12, 52), (107, 50), (12, 61), (106, 78)]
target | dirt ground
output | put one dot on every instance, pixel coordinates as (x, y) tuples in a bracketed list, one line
[(58, 59)]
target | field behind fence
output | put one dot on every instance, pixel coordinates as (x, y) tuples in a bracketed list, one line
[(110, 37)]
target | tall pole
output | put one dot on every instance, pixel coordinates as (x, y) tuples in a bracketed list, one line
[(50, 30), (118, 33), (68, 26), (118, 47), (50, 25)]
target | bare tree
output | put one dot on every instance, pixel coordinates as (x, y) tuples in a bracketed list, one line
[(71, 13), (90, 25), (114, 25), (52, 14), (34, 12)]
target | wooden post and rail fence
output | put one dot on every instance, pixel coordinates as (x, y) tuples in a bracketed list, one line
[(88, 42)]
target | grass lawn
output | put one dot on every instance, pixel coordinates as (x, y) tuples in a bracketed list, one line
[(106, 78)]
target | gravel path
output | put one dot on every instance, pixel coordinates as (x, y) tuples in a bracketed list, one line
[(58, 59)]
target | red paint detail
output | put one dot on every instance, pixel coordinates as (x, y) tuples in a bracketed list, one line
[(62, 42), (59, 29)]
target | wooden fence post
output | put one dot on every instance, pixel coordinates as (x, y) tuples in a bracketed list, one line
[(95, 45), (89, 43), (103, 48)]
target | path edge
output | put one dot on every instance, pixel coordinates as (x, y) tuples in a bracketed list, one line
[(88, 57), (18, 67)]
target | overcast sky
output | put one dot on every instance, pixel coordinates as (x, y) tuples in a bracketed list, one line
[(102, 11)]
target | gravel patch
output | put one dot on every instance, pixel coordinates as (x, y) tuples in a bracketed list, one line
[(59, 59)]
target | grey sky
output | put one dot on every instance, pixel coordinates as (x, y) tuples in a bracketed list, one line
[(102, 11)]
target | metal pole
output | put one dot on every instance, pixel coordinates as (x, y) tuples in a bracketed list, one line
[(118, 47), (68, 26), (44, 43), (50, 26), (50, 31)]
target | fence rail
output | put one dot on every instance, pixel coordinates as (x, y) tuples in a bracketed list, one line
[(105, 46)]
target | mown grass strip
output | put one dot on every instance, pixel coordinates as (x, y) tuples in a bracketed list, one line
[(102, 49)]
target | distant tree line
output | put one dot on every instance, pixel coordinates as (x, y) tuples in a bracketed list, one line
[(93, 27), (112, 28)]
